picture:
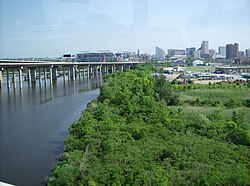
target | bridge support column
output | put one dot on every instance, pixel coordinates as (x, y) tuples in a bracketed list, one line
[(112, 69), (45, 75), (1, 78), (39, 74), (28, 75), (51, 75), (122, 68), (14, 78), (54, 73), (63, 73), (88, 69), (72, 73), (20, 78), (69, 73), (79, 72), (96, 71), (83, 73), (106, 69), (76, 69), (8, 78), (100, 70), (33, 75), (91, 71)]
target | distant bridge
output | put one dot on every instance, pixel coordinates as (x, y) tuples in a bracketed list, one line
[(49, 70), (232, 69)]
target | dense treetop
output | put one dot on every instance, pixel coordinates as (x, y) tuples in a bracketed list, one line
[(142, 131)]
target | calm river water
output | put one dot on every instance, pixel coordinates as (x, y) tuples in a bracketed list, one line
[(34, 124)]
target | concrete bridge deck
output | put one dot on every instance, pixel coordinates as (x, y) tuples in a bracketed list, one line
[(48, 69)]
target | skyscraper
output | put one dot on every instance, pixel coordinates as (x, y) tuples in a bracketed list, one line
[(159, 53), (204, 47), (222, 51), (236, 50), (248, 53), (232, 51)]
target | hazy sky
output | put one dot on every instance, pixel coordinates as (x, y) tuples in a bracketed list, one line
[(40, 28)]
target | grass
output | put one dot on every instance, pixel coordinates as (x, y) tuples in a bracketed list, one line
[(195, 110), (215, 94), (223, 93), (200, 68)]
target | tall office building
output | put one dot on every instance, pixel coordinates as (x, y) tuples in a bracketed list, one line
[(204, 47), (159, 53), (222, 51), (236, 50), (232, 51), (248, 53)]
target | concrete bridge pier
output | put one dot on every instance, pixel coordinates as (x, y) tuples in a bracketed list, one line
[(63, 73), (106, 70), (8, 78), (33, 75), (45, 75), (122, 68), (88, 73), (72, 73), (20, 78), (95, 71), (100, 70), (39, 75), (28, 75), (91, 71), (14, 78), (83, 72), (54, 73), (1, 78), (68, 73), (51, 75), (79, 72), (112, 69)]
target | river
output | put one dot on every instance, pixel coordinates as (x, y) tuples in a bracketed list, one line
[(34, 123)]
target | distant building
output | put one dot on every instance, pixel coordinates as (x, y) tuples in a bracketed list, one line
[(159, 53), (205, 56), (232, 51), (241, 54), (248, 53), (176, 52), (198, 63), (96, 57), (68, 57), (197, 54), (212, 53), (222, 51), (204, 47), (126, 56), (191, 51)]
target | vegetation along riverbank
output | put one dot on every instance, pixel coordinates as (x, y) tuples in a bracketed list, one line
[(144, 130)]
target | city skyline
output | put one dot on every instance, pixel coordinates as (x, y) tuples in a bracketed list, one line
[(44, 28)]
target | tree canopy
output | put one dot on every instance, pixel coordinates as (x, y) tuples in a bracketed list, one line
[(134, 134)]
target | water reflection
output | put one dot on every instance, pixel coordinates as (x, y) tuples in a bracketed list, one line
[(43, 93), (34, 123)]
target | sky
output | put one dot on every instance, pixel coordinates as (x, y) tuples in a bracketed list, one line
[(49, 28)]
